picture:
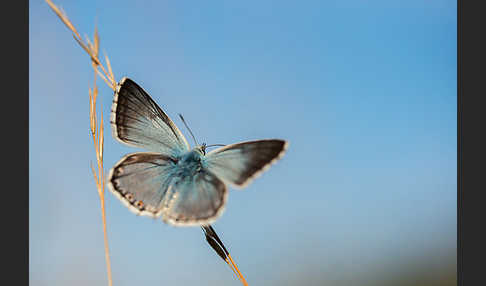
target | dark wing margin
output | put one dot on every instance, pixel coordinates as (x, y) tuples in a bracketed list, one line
[(138, 121), (238, 164), (140, 181)]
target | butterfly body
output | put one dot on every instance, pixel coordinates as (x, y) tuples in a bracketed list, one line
[(190, 163), (182, 186)]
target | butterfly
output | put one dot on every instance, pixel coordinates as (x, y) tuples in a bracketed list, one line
[(180, 185)]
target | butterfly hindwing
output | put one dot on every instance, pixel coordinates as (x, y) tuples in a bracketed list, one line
[(141, 180), (195, 199), (138, 121), (238, 164)]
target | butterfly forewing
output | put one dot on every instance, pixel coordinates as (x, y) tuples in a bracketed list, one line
[(239, 163), (138, 121), (141, 180)]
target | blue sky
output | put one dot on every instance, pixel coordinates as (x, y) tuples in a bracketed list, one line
[(364, 91)]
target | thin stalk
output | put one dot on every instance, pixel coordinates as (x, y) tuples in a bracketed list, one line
[(97, 133), (213, 239)]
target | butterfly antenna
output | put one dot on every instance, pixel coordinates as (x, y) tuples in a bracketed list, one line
[(182, 118), (214, 145)]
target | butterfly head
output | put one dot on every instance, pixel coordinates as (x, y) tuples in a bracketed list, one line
[(202, 148)]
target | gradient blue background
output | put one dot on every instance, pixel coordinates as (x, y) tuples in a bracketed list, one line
[(364, 91)]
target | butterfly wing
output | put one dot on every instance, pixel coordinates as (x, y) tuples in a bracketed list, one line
[(138, 121), (195, 200), (141, 180), (150, 184), (238, 164)]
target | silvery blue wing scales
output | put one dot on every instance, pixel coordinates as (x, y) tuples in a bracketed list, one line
[(182, 186)]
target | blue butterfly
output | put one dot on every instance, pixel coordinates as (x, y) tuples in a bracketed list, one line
[(182, 186)]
